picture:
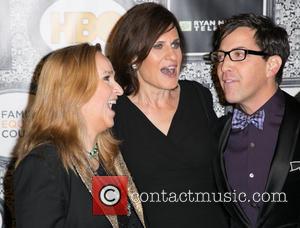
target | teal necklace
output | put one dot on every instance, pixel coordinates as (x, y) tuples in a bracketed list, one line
[(94, 152)]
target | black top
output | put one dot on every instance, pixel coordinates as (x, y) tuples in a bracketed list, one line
[(47, 196), (178, 162)]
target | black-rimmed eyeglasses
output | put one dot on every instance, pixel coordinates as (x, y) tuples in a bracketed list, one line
[(234, 55)]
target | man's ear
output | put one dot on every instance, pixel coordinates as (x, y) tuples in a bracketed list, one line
[(273, 65)]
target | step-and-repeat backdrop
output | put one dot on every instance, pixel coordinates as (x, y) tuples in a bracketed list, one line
[(30, 29)]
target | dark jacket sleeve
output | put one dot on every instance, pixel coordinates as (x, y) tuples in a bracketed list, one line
[(38, 189)]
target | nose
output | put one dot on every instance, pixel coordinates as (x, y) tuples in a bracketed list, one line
[(171, 53), (226, 64), (117, 89)]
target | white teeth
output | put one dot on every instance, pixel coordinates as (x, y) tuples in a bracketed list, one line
[(171, 67), (168, 70), (111, 103)]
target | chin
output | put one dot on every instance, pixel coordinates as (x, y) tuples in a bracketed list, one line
[(231, 97), (106, 125), (232, 100), (110, 124), (171, 86)]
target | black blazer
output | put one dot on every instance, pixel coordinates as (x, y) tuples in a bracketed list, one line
[(281, 179), (46, 195)]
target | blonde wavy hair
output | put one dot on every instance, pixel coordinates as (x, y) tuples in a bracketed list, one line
[(67, 80)]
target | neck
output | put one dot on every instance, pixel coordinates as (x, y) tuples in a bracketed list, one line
[(90, 141), (258, 101)]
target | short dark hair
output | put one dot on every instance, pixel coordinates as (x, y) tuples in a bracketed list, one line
[(132, 38), (270, 37)]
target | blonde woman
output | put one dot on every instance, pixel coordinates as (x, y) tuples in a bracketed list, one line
[(67, 141)]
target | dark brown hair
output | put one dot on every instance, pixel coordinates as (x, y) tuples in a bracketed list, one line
[(133, 37), (269, 37)]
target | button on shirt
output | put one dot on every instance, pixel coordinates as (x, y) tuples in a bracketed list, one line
[(249, 154)]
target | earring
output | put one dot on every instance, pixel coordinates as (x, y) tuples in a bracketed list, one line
[(134, 66)]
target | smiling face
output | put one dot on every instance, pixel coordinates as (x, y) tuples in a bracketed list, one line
[(250, 82), (97, 111), (161, 67)]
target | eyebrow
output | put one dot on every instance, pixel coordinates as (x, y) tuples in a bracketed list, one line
[(238, 47), (163, 41), (108, 72)]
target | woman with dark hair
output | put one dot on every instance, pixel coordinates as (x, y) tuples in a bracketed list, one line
[(67, 142), (164, 125)]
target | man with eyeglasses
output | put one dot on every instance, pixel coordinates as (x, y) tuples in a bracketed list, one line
[(259, 151)]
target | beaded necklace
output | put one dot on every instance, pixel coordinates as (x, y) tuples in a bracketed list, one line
[(94, 153)]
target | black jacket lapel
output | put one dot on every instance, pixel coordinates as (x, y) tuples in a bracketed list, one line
[(287, 138)]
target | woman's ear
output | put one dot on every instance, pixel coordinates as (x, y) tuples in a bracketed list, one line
[(273, 65)]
